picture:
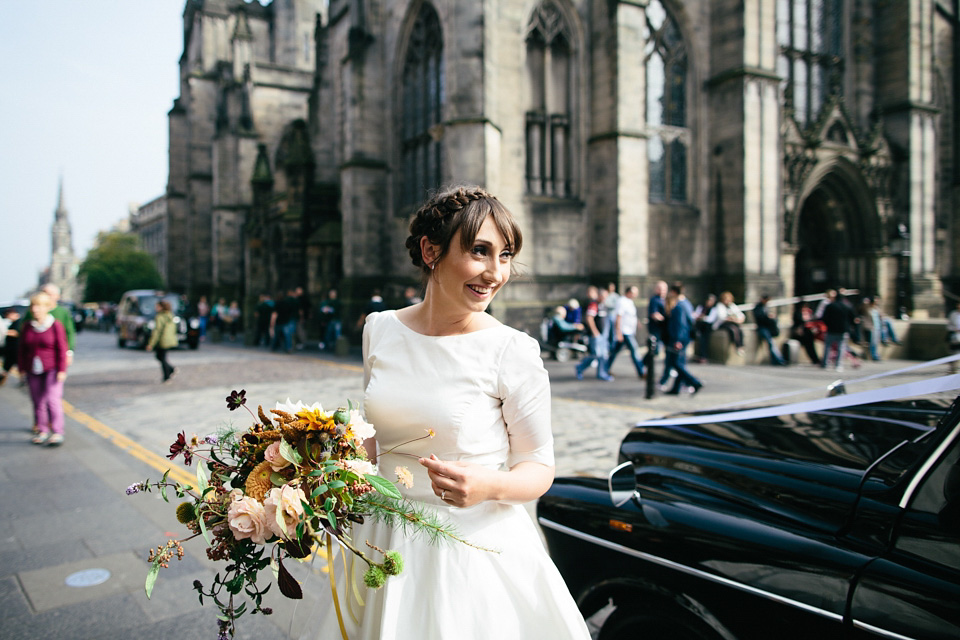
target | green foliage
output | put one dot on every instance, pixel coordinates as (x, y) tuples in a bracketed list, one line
[(118, 265)]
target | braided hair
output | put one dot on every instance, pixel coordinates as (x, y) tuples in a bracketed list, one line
[(461, 209)]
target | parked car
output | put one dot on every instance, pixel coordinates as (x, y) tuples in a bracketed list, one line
[(841, 523), (137, 310)]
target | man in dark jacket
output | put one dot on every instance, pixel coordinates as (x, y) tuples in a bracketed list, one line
[(680, 330), (838, 319), (768, 329)]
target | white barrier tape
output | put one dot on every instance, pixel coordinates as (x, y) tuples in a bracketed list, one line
[(922, 365), (936, 385)]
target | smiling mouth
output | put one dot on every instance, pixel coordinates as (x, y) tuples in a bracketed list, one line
[(480, 291)]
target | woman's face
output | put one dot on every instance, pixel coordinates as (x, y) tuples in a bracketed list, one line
[(468, 280), (40, 307)]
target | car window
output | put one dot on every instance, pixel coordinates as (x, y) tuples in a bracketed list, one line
[(932, 523)]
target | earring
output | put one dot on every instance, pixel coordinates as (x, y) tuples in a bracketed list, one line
[(433, 265)]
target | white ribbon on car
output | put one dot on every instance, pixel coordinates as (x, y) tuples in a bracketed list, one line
[(910, 389)]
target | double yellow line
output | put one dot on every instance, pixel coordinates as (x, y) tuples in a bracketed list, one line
[(135, 449)]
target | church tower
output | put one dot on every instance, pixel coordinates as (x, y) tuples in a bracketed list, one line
[(63, 263)]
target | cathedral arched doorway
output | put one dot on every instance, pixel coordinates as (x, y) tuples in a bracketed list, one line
[(837, 239)]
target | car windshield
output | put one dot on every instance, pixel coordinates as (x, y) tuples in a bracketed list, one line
[(148, 304)]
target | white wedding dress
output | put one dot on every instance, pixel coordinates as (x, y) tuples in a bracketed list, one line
[(487, 397)]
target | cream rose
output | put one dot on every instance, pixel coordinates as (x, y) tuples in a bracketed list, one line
[(284, 508), (362, 430), (272, 455), (359, 467), (248, 519)]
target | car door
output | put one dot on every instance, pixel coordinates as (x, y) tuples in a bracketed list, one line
[(913, 590)]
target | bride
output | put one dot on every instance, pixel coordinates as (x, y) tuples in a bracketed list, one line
[(445, 365)]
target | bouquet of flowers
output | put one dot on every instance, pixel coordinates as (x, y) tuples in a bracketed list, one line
[(294, 482)]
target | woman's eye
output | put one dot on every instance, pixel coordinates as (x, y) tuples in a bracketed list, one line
[(506, 255), (480, 250)]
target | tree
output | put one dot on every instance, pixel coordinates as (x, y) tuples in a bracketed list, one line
[(117, 265)]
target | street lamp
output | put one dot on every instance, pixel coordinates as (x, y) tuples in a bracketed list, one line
[(900, 247)]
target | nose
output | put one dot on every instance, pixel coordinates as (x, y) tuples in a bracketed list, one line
[(494, 272)]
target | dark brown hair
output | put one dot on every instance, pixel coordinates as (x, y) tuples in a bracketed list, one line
[(463, 209)]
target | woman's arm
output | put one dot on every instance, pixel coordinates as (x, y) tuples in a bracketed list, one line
[(464, 484)]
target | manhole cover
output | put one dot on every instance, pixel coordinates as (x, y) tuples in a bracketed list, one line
[(88, 578)]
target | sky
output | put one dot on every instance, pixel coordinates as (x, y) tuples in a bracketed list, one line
[(86, 87)]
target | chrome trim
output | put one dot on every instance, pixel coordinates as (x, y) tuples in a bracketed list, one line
[(879, 631), (921, 473), (670, 564)]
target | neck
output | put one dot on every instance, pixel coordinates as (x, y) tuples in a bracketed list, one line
[(431, 318)]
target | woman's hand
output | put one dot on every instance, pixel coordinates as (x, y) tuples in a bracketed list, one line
[(61, 376), (464, 484)]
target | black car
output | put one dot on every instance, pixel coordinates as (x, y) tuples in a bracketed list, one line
[(835, 523)]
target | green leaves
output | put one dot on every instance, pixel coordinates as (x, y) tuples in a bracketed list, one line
[(151, 578), (384, 486)]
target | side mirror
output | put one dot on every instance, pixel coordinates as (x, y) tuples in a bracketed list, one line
[(622, 483)]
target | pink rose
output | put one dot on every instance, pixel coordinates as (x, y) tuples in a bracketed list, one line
[(284, 508), (272, 455), (248, 519), (358, 466)]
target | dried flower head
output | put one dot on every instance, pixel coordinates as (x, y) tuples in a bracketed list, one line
[(258, 482), (404, 477)]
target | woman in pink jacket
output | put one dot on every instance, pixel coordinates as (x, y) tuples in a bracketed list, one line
[(43, 359)]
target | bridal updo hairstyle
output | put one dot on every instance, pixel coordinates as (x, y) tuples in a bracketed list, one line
[(463, 209)]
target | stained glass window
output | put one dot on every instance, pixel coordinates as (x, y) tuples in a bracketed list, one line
[(666, 106), (810, 35)]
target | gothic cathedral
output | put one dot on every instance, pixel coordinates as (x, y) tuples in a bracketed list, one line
[(756, 146), (63, 262)]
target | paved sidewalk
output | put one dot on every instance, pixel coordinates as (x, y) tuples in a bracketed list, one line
[(65, 516)]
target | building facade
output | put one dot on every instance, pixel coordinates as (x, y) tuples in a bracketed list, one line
[(149, 222), (778, 146)]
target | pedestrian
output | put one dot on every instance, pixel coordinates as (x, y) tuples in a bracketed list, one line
[(656, 315), (597, 345), (231, 319), (625, 329), (727, 316), (837, 319), (953, 334), (870, 327), (43, 359), (680, 328), (670, 360), (411, 297), (767, 329), (164, 337), (480, 389), (805, 330), (218, 315), (303, 317), (283, 321), (610, 309), (10, 340), (331, 324), (261, 316), (562, 329), (887, 332), (62, 314), (703, 328), (203, 312), (374, 304)]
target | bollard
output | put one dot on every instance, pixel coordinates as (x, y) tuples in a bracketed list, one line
[(649, 361)]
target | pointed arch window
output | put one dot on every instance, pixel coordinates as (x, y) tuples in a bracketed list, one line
[(549, 70), (422, 88), (810, 35), (666, 108)]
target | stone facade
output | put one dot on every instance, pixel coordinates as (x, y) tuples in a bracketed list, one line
[(749, 145), (149, 223)]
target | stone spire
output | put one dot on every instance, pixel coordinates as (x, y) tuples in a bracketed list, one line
[(63, 262)]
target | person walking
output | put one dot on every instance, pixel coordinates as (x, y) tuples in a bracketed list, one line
[(164, 337), (657, 315), (597, 342), (953, 334), (836, 318), (331, 324), (43, 359), (768, 329), (625, 329), (680, 329), (261, 314), (231, 319)]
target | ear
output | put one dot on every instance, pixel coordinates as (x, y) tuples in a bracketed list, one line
[(429, 252)]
